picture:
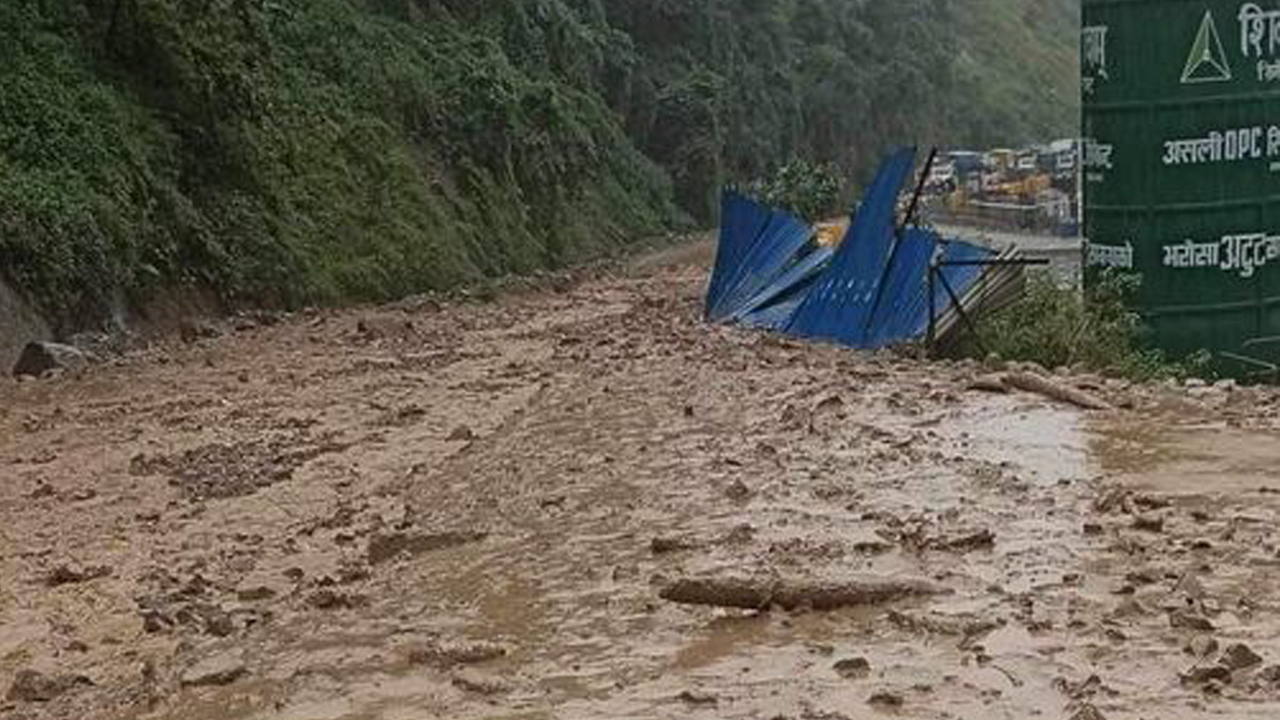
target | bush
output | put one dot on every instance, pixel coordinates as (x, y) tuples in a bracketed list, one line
[(806, 189), (1056, 325)]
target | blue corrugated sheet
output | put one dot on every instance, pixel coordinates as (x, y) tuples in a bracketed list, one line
[(837, 307), (757, 246), (872, 292)]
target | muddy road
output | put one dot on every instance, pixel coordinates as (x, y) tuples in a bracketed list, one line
[(481, 511)]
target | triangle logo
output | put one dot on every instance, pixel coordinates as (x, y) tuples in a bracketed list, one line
[(1207, 62)]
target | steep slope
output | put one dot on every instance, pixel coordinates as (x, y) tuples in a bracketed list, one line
[(295, 152)]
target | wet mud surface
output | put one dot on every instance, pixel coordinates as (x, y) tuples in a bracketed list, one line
[(585, 504)]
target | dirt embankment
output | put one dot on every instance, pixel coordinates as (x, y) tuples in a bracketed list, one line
[(582, 503)]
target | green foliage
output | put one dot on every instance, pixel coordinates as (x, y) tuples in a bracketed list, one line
[(808, 190), (292, 152), (1058, 326)]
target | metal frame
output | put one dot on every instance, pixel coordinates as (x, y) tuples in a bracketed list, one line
[(935, 275)]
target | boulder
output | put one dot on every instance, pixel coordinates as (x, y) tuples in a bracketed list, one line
[(38, 358)]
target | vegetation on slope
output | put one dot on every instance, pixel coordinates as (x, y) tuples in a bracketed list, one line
[(286, 151)]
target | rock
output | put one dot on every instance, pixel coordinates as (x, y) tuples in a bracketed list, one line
[(742, 534), (462, 433), (327, 599), (666, 546), (1206, 674), (1151, 502), (852, 668), (217, 670), (38, 358), (1240, 656), (1190, 586), (67, 575), (738, 490), (448, 655), (1201, 646), (1270, 676), (1149, 523), (1081, 689), (976, 540), (1093, 528), (193, 330), (217, 622), (256, 593), (694, 697), (1112, 500), (886, 699), (32, 687), (480, 683), (1189, 620), (1088, 712)]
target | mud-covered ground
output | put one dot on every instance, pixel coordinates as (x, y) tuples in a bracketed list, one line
[(475, 511)]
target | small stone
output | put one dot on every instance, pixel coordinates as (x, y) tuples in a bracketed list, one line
[(1191, 586), (243, 377), (67, 575), (1190, 621), (1206, 674), (886, 699), (1240, 656), (1270, 675), (666, 546), (694, 697), (462, 433), (1149, 523), (853, 668), (43, 490), (326, 599), (738, 490), (32, 687), (1093, 528), (480, 683), (256, 593), (221, 669), (193, 330), (1088, 712), (1201, 646), (449, 655), (217, 622)]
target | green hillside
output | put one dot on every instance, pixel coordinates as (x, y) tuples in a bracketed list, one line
[(281, 152)]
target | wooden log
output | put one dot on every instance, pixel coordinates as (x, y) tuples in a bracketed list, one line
[(1033, 383), (748, 594)]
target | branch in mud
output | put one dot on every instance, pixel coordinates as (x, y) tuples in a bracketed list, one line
[(751, 594), (1040, 385)]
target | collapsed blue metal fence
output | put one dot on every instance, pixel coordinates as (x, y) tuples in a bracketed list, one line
[(871, 292)]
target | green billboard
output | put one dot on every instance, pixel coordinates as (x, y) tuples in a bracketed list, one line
[(1181, 166)]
